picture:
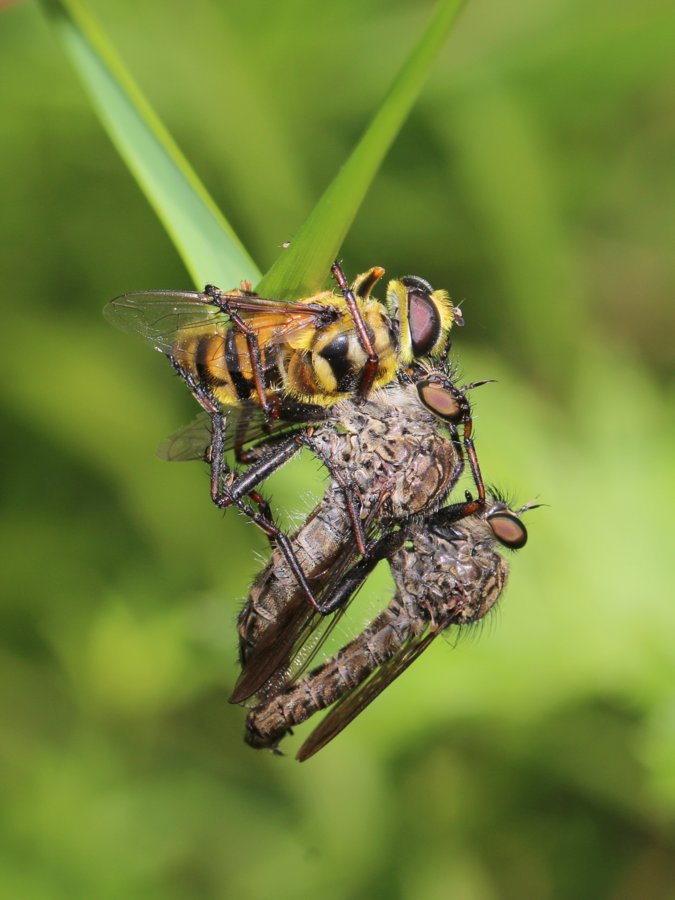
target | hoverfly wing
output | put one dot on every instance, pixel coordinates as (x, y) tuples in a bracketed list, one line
[(161, 317), (352, 704), (245, 425), (190, 442), (158, 316)]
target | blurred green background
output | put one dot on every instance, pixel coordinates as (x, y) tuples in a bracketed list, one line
[(534, 179)]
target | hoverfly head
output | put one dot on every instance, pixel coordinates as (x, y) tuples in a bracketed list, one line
[(425, 317)]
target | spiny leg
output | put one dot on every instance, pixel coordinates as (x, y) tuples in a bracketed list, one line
[(371, 366), (269, 405), (224, 494), (351, 581), (463, 417), (216, 455), (467, 440)]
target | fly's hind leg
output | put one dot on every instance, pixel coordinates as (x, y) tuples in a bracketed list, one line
[(229, 489), (352, 580)]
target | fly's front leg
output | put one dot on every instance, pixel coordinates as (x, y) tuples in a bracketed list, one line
[(373, 361), (462, 416), (269, 406)]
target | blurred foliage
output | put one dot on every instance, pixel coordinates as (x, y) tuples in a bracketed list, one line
[(534, 178)]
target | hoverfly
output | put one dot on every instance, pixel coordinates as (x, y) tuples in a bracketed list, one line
[(235, 347), (447, 571), (398, 455)]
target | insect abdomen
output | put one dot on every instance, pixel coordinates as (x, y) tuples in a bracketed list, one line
[(220, 361), (347, 669)]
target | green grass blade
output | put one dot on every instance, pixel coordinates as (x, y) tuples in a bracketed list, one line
[(302, 269), (204, 239)]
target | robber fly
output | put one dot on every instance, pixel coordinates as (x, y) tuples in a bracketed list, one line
[(398, 455), (447, 571)]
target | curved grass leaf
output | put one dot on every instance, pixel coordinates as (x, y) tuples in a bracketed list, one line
[(206, 242), (302, 269)]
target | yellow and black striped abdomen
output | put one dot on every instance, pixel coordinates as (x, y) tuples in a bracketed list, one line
[(318, 365), (219, 360)]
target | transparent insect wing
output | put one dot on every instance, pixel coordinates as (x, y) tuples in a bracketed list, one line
[(188, 443), (158, 316), (354, 703), (245, 426), (293, 640), (163, 318)]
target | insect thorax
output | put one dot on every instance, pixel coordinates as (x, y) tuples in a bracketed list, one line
[(459, 579)]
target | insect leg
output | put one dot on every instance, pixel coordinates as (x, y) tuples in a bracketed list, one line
[(351, 499), (245, 484), (225, 495), (270, 407), (354, 577), (464, 418), (370, 368), (467, 441)]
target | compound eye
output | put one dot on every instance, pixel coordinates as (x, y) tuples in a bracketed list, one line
[(424, 322), (439, 400), (508, 529)]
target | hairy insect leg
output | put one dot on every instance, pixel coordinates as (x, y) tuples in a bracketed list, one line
[(352, 580), (465, 419), (242, 485), (229, 488), (226, 494), (269, 406), (370, 368)]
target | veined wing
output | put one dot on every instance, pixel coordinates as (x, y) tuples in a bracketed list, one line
[(352, 704), (190, 442), (161, 317), (291, 642), (246, 425)]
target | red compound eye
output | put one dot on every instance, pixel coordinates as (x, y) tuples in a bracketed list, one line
[(440, 401), (508, 529), (424, 322)]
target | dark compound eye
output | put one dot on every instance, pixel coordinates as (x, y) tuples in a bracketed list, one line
[(508, 529), (424, 317), (424, 322), (440, 401)]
